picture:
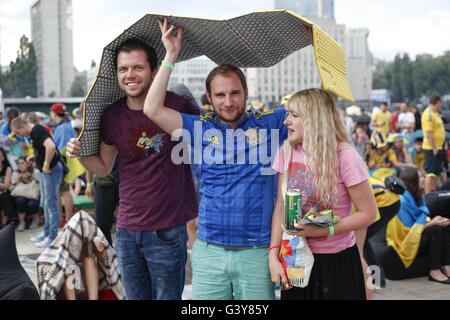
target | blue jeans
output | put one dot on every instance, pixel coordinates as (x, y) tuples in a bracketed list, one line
[(24, 205), (152, 263), (49, 196)]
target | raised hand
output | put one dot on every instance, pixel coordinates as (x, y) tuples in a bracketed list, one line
[(171, 44)]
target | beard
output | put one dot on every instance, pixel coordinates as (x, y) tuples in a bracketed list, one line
[(230, 119)]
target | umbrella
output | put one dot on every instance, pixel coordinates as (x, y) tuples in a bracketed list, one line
[(259, 39), (406, 140), (419, 134), (363, 119)]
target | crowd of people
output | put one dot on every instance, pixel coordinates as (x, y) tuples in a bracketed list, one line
[(237, 216), (25, 186), (390, 142), (412, 145)]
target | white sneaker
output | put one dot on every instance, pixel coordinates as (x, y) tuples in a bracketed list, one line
[(21, 226), (44, 243), (39, 237), (34, 224)]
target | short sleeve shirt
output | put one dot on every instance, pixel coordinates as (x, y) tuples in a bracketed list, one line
[(351, 172), (405, 119), (237, 182), (63, 133), (155, 193), (38, 136), (385, 117), (431, 121)]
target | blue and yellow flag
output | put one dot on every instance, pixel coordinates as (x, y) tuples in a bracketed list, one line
[(76, 169), (404, 231)]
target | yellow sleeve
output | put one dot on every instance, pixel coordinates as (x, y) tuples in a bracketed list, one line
[(427, 121)]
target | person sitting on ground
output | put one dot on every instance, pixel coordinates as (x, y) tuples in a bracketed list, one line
[(417, 155), (411, 234), (399, 156), (22, 144), (360, 139), (80, 264), (89, 272), (378, 159), (26, 173), (6, 202)]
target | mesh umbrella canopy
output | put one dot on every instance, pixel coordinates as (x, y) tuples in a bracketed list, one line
[(259, 39)]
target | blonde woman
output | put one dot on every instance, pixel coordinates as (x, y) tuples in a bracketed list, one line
[(318, 159)]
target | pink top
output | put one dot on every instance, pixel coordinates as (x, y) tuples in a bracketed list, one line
[(351, 172)]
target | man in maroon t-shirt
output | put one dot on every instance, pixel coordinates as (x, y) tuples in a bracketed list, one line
[(157, 197)]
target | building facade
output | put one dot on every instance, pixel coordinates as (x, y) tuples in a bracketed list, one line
[(51, 34), (192, 74), (299, 71)]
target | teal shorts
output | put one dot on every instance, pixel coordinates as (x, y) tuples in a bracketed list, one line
[(219, 274)]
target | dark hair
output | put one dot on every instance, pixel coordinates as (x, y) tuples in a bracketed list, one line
[(29, 167), (385, 103), (204, 99), (434, 99), (5, 161), (225, 70), (13, 113), (410, 176), (419, 139), (136, 44)]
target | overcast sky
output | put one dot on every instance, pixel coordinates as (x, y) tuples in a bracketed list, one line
[(412, 26)]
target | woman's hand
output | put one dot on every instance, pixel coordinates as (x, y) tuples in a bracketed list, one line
[(309, 231), (277, 272), (439, 221)]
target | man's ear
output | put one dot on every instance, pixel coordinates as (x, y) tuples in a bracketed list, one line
[(208, 96), (154, 72)]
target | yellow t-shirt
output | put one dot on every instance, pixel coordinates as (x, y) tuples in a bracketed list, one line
[(383, 197), (393, 156), (378, 159), (419, 159), (385, 117), (432, 121)]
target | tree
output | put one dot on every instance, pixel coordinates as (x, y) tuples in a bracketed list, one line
[(412, 80), (76, 90), (20, 80)]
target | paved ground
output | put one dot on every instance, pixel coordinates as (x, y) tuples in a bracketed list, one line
[(411, 289)]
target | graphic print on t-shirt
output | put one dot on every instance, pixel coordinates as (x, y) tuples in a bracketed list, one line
[(148, 141), (300, 178)]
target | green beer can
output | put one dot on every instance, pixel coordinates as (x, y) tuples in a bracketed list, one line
[(293, 208)]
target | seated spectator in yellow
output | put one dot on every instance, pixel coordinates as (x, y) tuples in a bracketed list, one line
[(379, 157), (417, 155), (399, 156)]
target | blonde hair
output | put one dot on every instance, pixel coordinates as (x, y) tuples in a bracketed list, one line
[(322, 131)]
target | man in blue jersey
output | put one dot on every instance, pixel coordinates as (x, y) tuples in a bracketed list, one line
[(234, 151)]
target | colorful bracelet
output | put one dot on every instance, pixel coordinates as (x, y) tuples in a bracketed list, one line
[(331, 230), (46, 164), (89, 184), (167, 64), (270, 248)]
